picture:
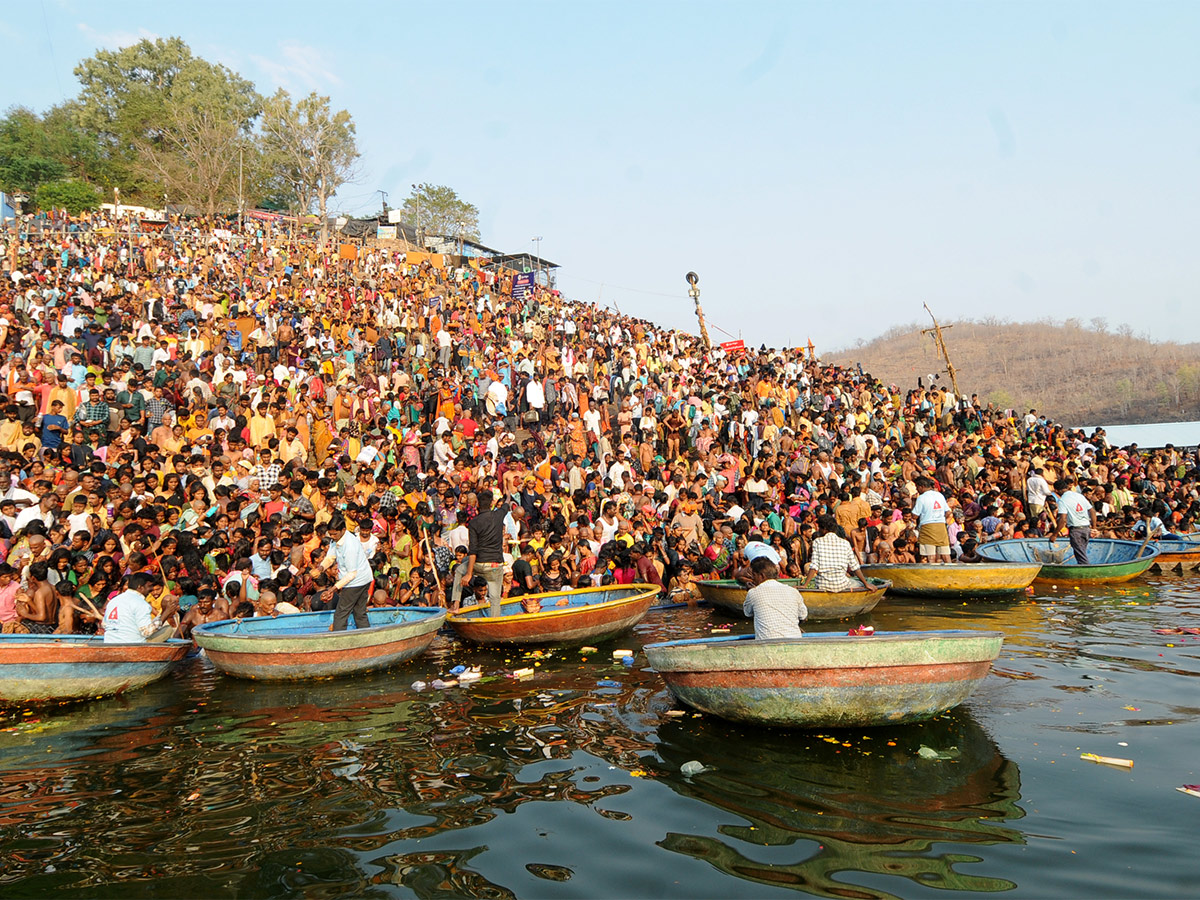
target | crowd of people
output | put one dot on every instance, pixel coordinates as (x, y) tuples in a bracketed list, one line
[(205, 422)]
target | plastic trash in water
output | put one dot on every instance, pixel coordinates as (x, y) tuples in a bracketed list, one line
[(693, 767), (930, 753), (627, 662), (472, 674), (419, 686), (458, 670), (439, 685), (608, 683)]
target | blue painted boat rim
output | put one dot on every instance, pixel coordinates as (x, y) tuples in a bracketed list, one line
[(1140, 553), (886, 636), (228, 628)]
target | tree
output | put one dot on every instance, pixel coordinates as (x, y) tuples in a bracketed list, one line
[(132, 97), (26, 159), (196, 158), (73, 196), (437, 209), (311, 148)]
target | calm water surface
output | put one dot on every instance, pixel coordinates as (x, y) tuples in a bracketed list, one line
[(568, 785)]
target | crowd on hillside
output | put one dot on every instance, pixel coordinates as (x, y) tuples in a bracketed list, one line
[(201, 412)]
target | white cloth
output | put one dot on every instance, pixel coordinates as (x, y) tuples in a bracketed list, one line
[(128, 619), (351, 557)]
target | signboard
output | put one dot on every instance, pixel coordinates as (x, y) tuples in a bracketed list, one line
[(347, 251), (522, 285), (395, 216), (731, 346), (385, 232)]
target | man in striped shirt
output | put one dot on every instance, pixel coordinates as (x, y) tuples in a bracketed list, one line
[(777, 608)]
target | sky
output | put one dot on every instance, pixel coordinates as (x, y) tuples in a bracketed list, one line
[(825, 168)]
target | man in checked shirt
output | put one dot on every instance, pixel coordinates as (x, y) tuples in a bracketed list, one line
[(777, 608), (832, 558)]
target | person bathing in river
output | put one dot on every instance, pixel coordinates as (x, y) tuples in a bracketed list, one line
[(777, 608)]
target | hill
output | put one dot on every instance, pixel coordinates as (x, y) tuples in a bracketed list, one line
[(1075, 374)]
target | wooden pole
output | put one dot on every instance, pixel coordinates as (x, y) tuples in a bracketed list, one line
[(938, 340)]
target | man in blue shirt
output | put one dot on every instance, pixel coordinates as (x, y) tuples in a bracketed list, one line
[(355, 578), (54, 426)]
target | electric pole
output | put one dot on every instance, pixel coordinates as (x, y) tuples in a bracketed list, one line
[(940, 343), (694, 292)]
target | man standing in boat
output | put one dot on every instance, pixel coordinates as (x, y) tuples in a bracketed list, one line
[(485, 551), (353, 587), (930, 510), (1077, 515)]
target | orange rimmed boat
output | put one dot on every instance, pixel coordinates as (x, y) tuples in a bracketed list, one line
[(566, 617)]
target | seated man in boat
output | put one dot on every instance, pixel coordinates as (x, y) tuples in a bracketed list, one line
[(206, 609), (777, 608), (129, 618), (752, 551), (832, 558)]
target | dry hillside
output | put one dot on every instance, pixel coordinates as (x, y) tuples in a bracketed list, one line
[(1080, 375)]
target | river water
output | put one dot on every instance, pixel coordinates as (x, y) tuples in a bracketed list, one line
[(569, 784)]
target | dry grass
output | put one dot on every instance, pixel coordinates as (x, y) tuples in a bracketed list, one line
[(1077, 374)]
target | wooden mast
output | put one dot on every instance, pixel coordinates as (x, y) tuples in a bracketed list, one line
[(940, 342)]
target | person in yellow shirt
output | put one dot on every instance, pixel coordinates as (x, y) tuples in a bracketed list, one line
[(262, 426)]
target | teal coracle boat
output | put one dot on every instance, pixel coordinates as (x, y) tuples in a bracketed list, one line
[(827, 680), (1109, 561), (299, 646)]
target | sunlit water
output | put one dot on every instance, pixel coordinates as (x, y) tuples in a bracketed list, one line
[(568, 784)]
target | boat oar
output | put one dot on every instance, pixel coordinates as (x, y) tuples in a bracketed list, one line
[(1142, 548)]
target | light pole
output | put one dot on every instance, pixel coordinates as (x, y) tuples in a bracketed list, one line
[(537, 272), (693, 281), (417, 224)]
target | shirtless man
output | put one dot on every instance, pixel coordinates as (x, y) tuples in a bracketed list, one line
[(38, 606), (206, 610)]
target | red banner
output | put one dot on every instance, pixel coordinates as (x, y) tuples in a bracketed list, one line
[(730, 346)]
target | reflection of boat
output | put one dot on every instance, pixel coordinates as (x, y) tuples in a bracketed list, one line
[(827, 680), (284, 648), (955, 580), (56, 668), (874, 810), (729, 595), (566, 617), (1176, 552), (1109, 561)]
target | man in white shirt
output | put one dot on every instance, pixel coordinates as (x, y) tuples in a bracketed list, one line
[(1076, 514), (353, 587), (1037, 491), (129, 618), (930, 510)]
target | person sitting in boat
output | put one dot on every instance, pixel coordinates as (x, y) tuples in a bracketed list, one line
[(777, 608), (752, 551), (129, 618), (205, 610), (268, 604), (832, 558)]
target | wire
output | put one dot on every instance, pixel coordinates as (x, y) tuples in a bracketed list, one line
[(53, 58), (608, 284)]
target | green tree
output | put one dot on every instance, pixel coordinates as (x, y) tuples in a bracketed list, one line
[(437, 209), (133, 98), (74, 196), (309, 148), (26, 158)]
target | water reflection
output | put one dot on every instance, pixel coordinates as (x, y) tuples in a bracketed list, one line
[(868, 801)]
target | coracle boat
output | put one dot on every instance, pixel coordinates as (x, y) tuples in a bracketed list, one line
[(827, 680), (956, 580), (59, 668), (566, 617), (1109, 561), (1176, 552), (299, 646), (730, 596)]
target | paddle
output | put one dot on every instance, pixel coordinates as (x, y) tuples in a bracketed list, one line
[(1142, 548)]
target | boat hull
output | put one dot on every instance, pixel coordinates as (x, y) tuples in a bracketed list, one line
[(304, 654), (65, 668), (822, 605), (955, 580), (1172, 553), (827, 681), (1112, 561), (558, 626)]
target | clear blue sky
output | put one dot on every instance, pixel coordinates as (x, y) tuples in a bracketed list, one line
[(825, 168)]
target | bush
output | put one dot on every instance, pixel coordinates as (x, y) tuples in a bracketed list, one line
[(74, 196)]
